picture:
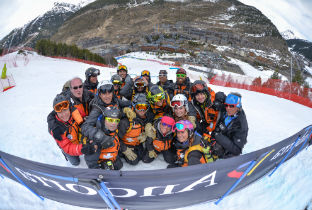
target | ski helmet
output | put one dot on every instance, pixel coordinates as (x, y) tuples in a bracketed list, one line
[(122, 67), (112, 112), (92, 72), (179, 100), (116, 79), (182, 125), (105, 86), (234, 99), (145, 73), (59, 98), (163, 73), (139, 98), (181, 71), (156, 93)]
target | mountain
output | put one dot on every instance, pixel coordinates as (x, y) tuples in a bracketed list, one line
[(42, 27), (301, 46)]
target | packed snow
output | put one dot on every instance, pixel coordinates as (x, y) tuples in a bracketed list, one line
[(24, 132)]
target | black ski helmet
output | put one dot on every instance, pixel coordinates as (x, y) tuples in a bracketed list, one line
[(112, 112), (139, 98), (59, 98), (92, 72)]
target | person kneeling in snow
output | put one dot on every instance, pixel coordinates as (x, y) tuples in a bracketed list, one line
[(230, 134), (189, 146), (106, 157), (63, 125)]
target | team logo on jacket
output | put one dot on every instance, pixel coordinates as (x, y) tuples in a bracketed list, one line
[(107, 156), (129, 139)]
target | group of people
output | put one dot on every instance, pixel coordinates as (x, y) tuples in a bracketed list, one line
[(134, 119)]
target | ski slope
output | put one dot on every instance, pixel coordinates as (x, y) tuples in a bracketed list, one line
[(24, 132)]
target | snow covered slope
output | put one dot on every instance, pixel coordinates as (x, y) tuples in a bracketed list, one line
[(24, 132)]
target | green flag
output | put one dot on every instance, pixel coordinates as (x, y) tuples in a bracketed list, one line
[(3, 75)]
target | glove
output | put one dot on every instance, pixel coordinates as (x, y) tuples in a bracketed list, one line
[(220, 128), (150, 130), (152, 154), (129, 113), (130, 154), (217, 150), (142, 137), (103, 140), (88, 149), (192, 119), (107, 165)]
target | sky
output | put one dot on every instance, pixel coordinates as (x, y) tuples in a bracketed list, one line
[(285, 14), (38, 79)]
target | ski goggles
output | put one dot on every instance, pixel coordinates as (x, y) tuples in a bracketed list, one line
[(108, 88), (139, 84), (141, 107), (145, 73), (166, 125), (77, 87), (122, 67), (180, 127), (181, 75), (116, 82), (157, 97), (198, 88), (94, 73), (61, 106), (174, 104), (112, 120), (167, 121)]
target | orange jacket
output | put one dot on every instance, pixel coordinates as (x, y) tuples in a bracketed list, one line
[(112, 152)]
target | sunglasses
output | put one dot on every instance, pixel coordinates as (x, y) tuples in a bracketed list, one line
[(60, 106), (176, 104), (141, 107), (181, 75), (162, 75), (112, 120), (166, 125), (230, 105), (76, 87)]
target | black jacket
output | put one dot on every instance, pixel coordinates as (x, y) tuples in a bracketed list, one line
[(233, 138), (168, 86)]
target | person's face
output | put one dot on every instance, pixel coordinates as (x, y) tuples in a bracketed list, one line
[(182, 135), (200, 97), (146, 77), (160, 102), (93, 79), (106, 97), (64, 115), (181, 80), (111, 126), (230, 109), (162, 78), (140, 89), (122, 74), (76, 88), (164, 128), (116, 87), (180, 111), (141, 113)]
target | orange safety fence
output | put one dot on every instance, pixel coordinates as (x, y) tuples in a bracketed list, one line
[(283, 89)]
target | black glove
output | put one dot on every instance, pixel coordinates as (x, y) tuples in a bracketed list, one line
[(220, 128), (88, 149), (217, 150), (107, 165), (103, 140)]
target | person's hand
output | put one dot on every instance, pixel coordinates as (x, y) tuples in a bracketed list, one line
[(150, 130), (129, 113), (130, 154), (88, 149), (103, 140), (152, 154), (142, 137)]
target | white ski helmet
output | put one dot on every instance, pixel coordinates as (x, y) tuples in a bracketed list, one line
[(179, 100)]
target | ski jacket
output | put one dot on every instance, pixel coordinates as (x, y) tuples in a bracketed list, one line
[(129, 132), (159, 111), (183, 89), (66, 134), (161, 142), (168, 86), (234, 137), (97, 107), (92, 87), (110, 153), (191, 155)]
